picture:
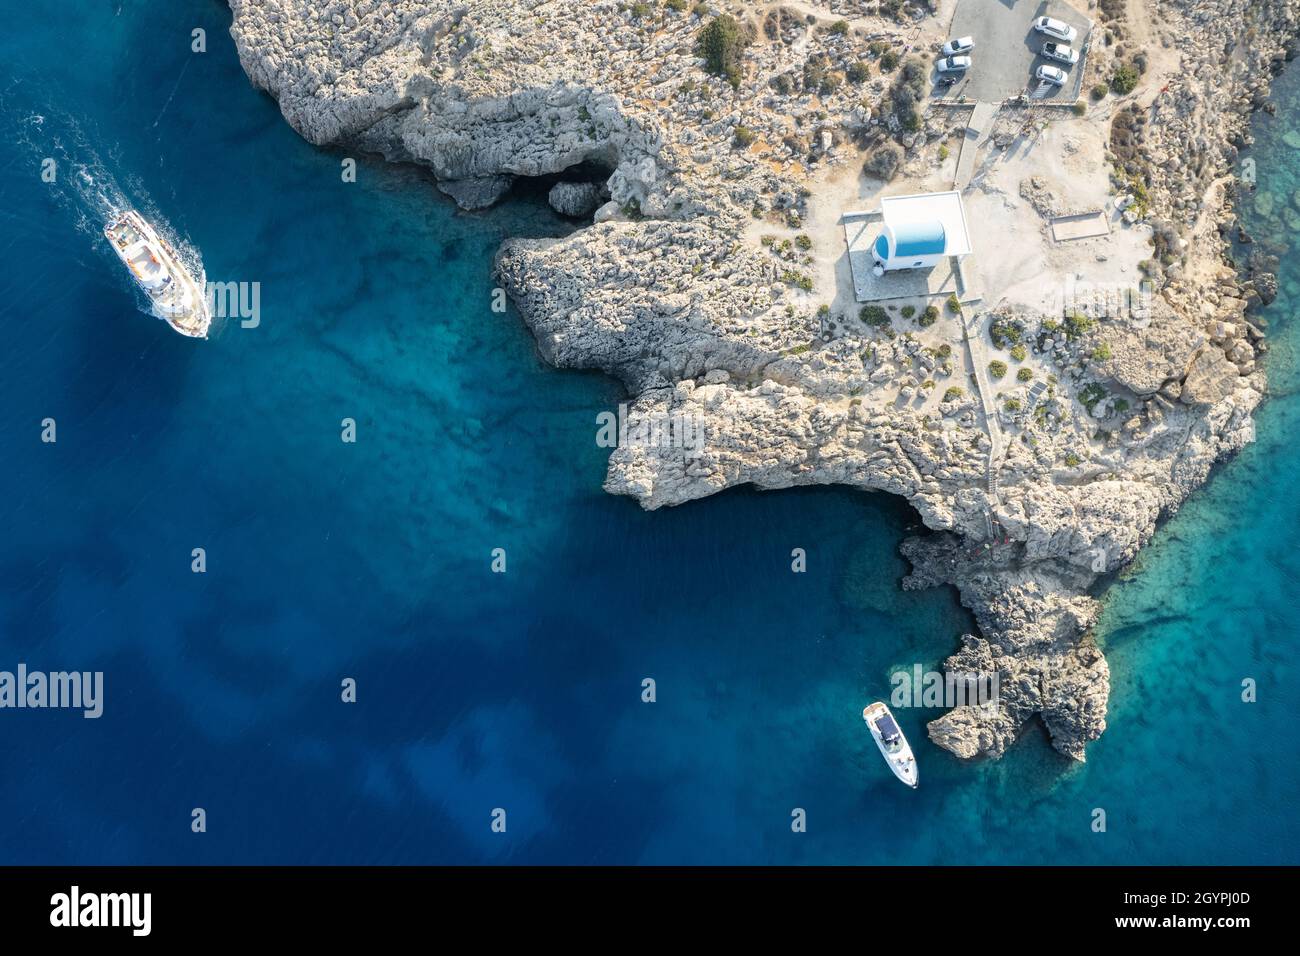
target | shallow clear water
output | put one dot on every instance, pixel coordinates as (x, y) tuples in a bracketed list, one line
[(371, 560)]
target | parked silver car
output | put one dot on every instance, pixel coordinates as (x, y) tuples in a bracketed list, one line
[(1061, 53), (1052, 74), (958, 46), (953, 64), (1058, 29)]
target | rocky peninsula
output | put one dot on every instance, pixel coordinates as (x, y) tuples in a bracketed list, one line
[(709, 150)]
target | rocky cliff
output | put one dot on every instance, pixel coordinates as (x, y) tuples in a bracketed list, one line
[(669, 289)]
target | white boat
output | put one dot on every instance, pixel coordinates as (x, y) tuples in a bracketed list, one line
[(893, 745), (159, 271)]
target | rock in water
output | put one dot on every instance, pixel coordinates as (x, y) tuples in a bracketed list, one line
[(478, 193), (576, 200)]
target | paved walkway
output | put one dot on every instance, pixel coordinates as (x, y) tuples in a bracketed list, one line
[(972, 330), (978, 128)]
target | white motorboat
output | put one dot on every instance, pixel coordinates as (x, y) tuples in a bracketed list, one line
[(893, 745), (159, 271)]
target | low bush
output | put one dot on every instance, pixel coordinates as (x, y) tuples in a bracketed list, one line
[(1125, 79), (874, 315)]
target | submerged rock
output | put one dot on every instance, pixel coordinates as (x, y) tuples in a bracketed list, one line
[(471, 194)]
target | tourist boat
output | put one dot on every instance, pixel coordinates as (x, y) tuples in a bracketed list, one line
[(893, 745), (158, 270)]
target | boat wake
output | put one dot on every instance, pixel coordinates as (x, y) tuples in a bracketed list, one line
[(91, 196)]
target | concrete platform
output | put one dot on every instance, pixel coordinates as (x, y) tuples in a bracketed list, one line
[(860, 229), (1083, 225)]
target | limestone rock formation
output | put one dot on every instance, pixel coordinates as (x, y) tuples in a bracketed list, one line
[(734, 376), (576, 200)]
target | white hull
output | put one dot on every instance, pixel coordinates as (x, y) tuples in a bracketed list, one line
[(159, 272), (893, 745)]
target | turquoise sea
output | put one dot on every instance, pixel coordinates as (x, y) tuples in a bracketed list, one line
[(371, 561)]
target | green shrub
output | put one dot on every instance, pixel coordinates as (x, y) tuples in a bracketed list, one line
[(943, 152), (1005, 332), (744, 137), (677, 6), (1099, 91), (997, 368), (641, 10), (1092, 393), (1079, 108), (929, 316), (888, 61), (721, 42), (840, 28), (803, 241), (798, 279), (1101, 353), (874, 315), (945, 350), (1012, 404), (1072, 459), (1019, 352), (1124, 79), (1076, 324), (953, 393), (884, 162), (1024, 374), (953, 305), (857, 72)]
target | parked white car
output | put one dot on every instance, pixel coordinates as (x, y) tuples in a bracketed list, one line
[(1052, 74), (960, 45), (1061, 53), (1056, 28), (953, 64)]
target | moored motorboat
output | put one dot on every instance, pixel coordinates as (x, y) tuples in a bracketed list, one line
[(893, 745)]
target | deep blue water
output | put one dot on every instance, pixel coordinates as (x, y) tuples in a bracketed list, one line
[(371, 560)]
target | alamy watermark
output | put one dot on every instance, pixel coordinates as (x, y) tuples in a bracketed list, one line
[(919, 687), (1108, 300), (73, 690), (77, 908), (236, 300), (654, 429)]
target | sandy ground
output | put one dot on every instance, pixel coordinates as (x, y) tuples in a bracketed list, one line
[(1015, 259)]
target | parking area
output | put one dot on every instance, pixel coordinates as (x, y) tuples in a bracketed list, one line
[(1007, 47)]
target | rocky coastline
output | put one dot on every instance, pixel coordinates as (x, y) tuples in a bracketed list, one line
[(696, 282)]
